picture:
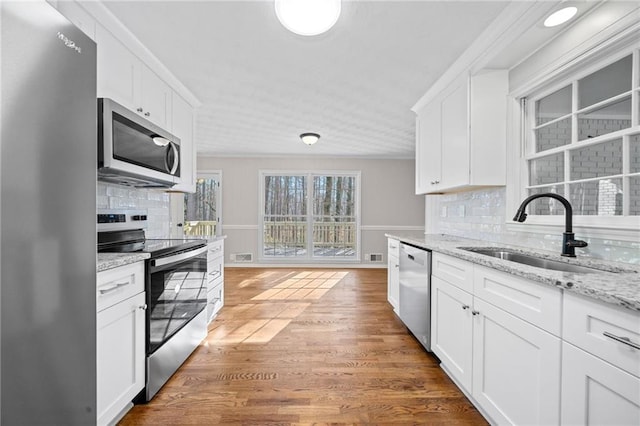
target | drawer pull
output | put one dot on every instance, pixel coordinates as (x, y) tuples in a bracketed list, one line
[(624, 340), (113, 288), (465, 307), (475, 313)]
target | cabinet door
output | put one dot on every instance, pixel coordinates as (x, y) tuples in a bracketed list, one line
[(516, 368), (118, 70), (451, 330), (428, 148), (455, 138), (155, 99), (121, 356), (183, 128), (595, 392)]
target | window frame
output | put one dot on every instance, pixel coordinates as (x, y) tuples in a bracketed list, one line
[(207, 174), (309, 257), (521, 121)]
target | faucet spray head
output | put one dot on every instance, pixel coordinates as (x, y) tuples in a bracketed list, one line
[(520, 216)]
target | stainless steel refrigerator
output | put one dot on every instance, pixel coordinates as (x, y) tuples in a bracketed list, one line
[(47, 218)]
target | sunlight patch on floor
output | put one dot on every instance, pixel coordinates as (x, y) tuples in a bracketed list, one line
[(309, 285), (265, 322)]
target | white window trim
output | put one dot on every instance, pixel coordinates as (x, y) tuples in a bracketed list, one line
[(605, 52), (309, 258)]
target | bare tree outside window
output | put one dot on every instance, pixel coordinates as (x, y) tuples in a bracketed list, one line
[(201, 215)]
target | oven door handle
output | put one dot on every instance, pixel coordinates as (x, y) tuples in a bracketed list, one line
[(178, 257)]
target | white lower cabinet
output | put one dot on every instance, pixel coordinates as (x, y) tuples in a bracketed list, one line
[(509, 367), (215, 278), (516, 368), (393, 273), (595, 392), (452, 330), (120, 340)]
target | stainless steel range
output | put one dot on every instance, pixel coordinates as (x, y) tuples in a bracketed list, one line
[(176, 295)]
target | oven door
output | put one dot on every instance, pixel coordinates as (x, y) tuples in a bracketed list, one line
[(176, 293)]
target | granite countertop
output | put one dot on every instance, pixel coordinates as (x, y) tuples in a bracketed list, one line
[(613, 282), (113, 260)]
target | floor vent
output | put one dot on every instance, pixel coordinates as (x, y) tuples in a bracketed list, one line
[(241, 257), (374, 257)]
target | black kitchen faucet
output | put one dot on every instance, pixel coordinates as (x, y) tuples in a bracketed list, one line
[(569, 243)]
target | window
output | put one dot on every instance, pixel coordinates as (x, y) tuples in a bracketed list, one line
[(583, 142), (202, 208), (308, 216)]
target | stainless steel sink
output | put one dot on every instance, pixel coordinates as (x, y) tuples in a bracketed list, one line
[(525, 259)]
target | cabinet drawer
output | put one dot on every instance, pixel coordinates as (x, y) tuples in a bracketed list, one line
[(454, 271), (215, 300), (393, 248), (216, 250), (535, 303), (118, 284), (215, 272), (585, 323)]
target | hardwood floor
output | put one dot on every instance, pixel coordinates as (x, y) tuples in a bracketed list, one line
[(307, 346)]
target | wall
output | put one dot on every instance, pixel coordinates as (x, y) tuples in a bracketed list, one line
[(388, 202), (156, 204), (482, 215)]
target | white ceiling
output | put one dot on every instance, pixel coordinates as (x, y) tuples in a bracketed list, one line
[(261, 86)]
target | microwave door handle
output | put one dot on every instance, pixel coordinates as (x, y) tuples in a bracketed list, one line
[(176, 158), (171, 147)]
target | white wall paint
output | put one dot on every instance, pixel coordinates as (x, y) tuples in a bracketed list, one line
[(388, 201)]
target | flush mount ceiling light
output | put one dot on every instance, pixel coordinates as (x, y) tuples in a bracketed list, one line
[(560, 16), (308, 17), (309, 138)]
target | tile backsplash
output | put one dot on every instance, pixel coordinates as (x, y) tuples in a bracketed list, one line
[(480, 214), (155, 203)]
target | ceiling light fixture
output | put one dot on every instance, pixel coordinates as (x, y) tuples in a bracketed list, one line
[(560, 16), (308, 17), (309, 138)]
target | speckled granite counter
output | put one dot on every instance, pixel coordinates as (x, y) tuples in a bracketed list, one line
[(616, 283), (113, 260)]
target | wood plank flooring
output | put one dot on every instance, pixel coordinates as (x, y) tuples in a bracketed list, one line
[(307, 346)]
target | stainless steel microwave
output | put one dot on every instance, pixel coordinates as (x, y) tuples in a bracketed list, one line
[(133, 151)]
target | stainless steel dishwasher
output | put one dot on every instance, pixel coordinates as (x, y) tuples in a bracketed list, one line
[(415, 292)]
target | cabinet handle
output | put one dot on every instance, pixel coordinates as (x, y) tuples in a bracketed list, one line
[(397, 266), (475, 312), (147, 114), (139, 109), (465, 307), (143, 307), (624, 340), (113, 288), (435, 182)]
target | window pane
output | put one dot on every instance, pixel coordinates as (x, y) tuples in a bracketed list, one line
[(285, 195), (553, 106), (609, 118), (634, 195), (549, 169), (546, 205), (634, 153), (334, 221), (285, 235), (200, 208), (554, 135), (605, 83), (601, 197), (285, 221), (604, 159)]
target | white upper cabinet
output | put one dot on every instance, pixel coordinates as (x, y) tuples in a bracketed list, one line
[(123, 77), (183, 128), (118, 70), (155, 99), (461, 135)]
